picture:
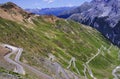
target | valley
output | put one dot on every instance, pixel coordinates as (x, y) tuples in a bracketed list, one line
[(48, 47)]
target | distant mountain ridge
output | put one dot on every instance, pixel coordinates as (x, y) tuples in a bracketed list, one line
[(103, 15), (50, 11), (85, 6)]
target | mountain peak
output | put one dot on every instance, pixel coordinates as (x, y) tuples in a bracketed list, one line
[(101, 0), (8, 5), (104, 15), (13, 12)]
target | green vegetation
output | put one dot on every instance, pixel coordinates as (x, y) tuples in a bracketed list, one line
[(13, 74), (64, 39)]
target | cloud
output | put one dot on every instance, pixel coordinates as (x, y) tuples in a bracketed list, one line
[(49, 1), (70, 5), (37, 5)]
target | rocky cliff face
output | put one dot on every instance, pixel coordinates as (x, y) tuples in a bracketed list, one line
[(103, 15)]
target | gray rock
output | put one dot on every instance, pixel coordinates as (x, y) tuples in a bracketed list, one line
[(104, 15)]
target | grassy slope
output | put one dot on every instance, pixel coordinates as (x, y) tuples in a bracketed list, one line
[(64, 40)]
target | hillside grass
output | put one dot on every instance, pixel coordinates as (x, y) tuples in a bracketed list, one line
[(64, 39)]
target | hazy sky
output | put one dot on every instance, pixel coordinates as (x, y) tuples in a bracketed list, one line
[(45, 3)]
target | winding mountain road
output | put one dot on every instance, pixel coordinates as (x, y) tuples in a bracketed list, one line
[(85, 69), (86, 65), (19, 65), (18, 69), (73, 60), (116, 71), (60, 69), (37, 72)]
